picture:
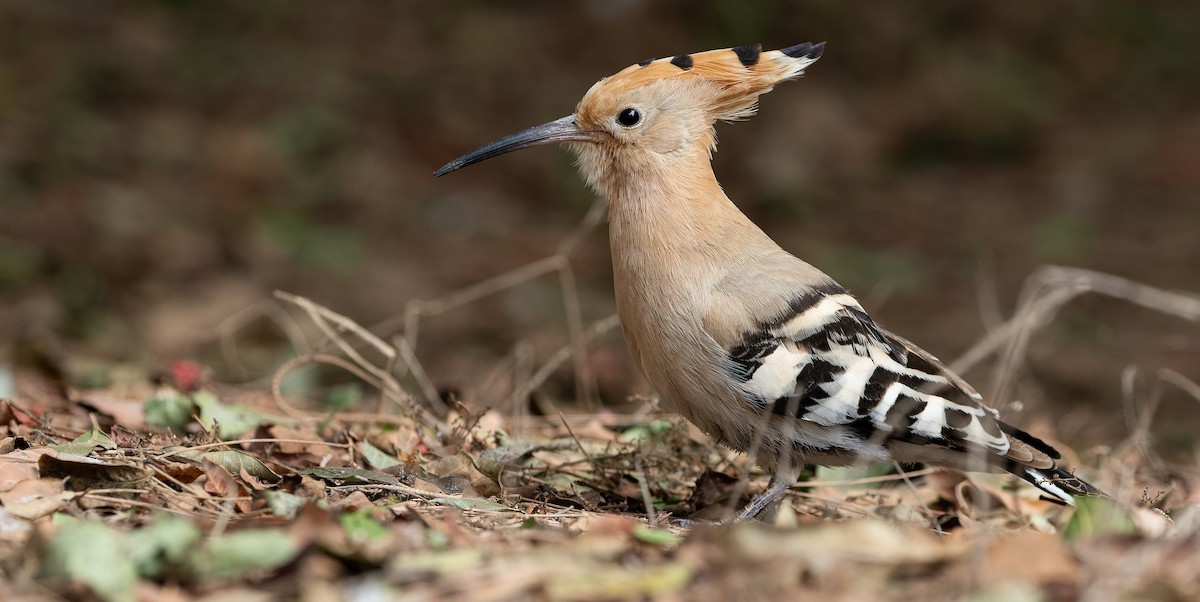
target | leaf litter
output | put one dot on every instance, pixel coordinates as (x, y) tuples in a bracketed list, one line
[(211, 488)]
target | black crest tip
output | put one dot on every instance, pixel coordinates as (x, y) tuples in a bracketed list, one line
[(806, 50), (683, 61), (748, 55)]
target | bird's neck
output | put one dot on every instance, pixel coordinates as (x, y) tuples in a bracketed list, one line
[(674, 238), (677, 222)]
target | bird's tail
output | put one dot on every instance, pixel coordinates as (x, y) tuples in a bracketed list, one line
[(1037, 462), (1060, 485), (1027, 457)]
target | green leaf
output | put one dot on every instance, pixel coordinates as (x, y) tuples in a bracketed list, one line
[(230, 421), (242, 554), (234, 461), (443, 561), (1097, 516), (344, 396), (169, 409), (96, 438), (471, 503), (623, 583), (299, 383), (651, 431), (657, 537), (361, 527), (346, 475), (86, 443), (93, 554), (377, 457), (282, 503), (163, 545), (73, 449)]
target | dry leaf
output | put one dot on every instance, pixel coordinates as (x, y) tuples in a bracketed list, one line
[(184, 472), (83, 473), (376, 457), (14, 530), (131, 413), (1039, 558), (14, 471), (224, 485), (357, 500), (317, 448), (449, 474), (35, 498), (348, 475), (233, 460)]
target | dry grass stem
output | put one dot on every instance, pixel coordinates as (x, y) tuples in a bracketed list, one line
[(1045, 292), (267, 308)]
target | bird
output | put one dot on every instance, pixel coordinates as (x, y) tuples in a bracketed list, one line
[(759, 349)]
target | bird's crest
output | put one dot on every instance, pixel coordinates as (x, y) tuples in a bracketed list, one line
[(697, 89), (742, 74)]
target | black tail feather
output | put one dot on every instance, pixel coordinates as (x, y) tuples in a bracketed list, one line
[(1060, 485)]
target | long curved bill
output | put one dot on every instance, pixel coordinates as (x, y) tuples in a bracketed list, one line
[(559, 130)]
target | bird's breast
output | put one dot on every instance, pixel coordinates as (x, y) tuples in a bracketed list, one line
[(661, 307)]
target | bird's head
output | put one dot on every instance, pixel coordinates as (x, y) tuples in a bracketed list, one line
[(651, 115)]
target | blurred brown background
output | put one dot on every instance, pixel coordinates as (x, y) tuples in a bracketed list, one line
[(164, 164)]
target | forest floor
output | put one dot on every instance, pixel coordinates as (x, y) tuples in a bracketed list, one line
[(181, 488)]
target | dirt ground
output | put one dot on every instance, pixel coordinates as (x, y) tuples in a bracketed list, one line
[(445, 408)]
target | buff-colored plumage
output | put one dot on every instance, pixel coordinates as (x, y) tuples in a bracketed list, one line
[(759, 349)]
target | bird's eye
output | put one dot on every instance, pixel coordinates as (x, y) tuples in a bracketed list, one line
[(629, 117)]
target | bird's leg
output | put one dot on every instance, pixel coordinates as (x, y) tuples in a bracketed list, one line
[(785, 477), (786, 474), (757, 504), (779, 484)]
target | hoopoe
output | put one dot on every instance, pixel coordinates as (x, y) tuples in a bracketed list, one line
[(757, 348)]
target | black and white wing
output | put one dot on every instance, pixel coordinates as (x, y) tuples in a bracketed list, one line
[(825, 361)]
